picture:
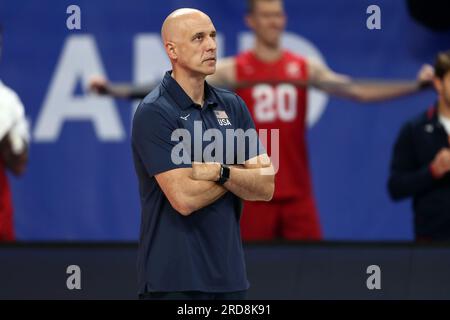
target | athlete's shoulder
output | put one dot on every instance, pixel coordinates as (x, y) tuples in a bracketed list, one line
[(244, 57), (243, 54), (292, 56)]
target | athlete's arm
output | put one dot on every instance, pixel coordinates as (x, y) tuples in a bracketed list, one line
[(364, 91), (101, 86), (186, 194), (253, 182), (225, 75)]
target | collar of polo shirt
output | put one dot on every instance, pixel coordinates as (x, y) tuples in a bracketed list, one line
[(181, 98)]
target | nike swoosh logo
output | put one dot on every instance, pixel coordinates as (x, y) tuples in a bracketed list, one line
[(185, 117)]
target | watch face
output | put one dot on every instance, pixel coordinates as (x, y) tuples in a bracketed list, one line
[(227, 172), (224, 174)]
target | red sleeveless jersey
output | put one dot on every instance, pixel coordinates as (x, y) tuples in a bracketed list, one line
[(6, 209), (280, 106)]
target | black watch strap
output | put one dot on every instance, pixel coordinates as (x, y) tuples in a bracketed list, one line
[(224, 174)]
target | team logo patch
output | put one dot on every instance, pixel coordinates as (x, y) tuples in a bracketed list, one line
[(222, 118), (185, 117), (293, 70)]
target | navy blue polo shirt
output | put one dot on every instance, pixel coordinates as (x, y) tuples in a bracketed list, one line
[(202, 251)]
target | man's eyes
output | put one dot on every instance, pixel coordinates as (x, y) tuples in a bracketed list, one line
[(201, 37)]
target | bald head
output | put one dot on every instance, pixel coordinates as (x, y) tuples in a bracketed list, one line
[(189, 38), (178, 21)]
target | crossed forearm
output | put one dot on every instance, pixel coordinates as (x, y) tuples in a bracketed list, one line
[(251, 184), (248, 184), (199, 194)]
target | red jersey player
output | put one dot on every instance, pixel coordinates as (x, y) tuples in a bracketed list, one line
[(292, 212)]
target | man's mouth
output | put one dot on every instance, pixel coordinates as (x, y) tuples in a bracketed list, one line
[(210, 59)]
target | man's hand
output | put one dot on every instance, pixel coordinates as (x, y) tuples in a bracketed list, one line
[(99, 85), (441, 163), (209, 171), (425, 75)]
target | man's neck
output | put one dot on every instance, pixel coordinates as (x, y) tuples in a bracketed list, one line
[(193, 86), (267, 53)]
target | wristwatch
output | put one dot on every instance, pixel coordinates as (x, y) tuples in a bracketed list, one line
[(224, 174)]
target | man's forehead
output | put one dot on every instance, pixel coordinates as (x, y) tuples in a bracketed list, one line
[(268, 6), (194, 26)]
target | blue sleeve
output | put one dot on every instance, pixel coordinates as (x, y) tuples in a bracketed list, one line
[(254, 147), (151, 139)]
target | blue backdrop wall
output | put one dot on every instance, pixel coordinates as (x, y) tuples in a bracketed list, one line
[(81, 182)]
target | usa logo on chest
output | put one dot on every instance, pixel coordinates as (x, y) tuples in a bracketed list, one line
[(222, 118)]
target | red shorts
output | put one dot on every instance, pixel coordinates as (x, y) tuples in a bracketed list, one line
[(6, 211), (6, 225), (294, 219), (6, 208)]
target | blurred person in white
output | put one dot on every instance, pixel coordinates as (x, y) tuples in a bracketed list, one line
[(14, 140)]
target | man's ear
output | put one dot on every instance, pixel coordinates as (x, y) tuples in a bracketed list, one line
[(171, 50)]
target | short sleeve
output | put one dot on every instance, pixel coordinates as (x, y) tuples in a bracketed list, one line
[(151, 140), (254, 147)]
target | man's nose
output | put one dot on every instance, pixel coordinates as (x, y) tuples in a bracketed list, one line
[(211, 44)]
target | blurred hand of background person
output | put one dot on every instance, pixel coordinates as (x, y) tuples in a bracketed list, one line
[(426, 74), (441, 163), (99, 85)]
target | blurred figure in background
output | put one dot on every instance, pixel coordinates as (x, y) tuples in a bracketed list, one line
[(420, 166), (273, 83), (14, 139)]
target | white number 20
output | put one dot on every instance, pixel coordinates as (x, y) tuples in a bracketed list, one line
[(275, 102)]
